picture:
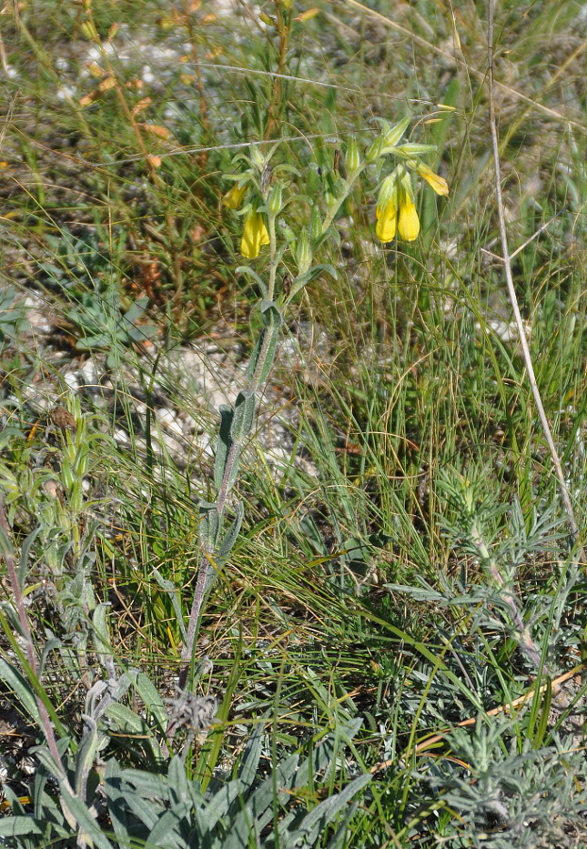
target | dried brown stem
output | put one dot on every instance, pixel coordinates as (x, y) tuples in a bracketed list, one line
[(513, 297)]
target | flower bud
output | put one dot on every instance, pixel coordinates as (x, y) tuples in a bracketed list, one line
[(303, 252), (88, 30), (315, 224), (413, 149), (353, 156), (274, 203), (257, 157), (374, 151), (393, 135), (329, 198)]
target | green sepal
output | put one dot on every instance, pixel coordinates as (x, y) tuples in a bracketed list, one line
[(353, 155), (392, 135), (411, 149)]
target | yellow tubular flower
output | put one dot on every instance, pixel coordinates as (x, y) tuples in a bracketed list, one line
[(409, 223), (233, 197), (438, 183), (386, 218), (255, 235)]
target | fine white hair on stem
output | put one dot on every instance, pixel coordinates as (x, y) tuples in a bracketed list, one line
[(512, 293)]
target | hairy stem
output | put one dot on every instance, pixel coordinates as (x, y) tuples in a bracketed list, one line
[(207, 564)]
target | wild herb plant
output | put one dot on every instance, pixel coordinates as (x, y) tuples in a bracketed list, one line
[(263, 197), (405, 639), (264, 191)]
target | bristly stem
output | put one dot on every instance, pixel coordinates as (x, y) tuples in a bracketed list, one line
[(207, 564), (514, 300)]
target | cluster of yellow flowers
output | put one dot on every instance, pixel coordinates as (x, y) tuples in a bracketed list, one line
[(396, 209)]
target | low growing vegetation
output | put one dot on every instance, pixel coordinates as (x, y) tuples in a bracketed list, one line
[(292, 405)]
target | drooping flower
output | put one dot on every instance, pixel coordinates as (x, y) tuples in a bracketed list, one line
[(386, 221), (409, 224), (255, 235), (233, 197), (386, 210), (437, 182)]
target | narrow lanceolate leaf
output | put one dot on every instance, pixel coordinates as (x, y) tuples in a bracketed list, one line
[(100, 633), (246, 269), (166, 831), (224, 443), (250, 763), (21, 689), (236, 453), (244, 416), (151, 699), (24, 556), (326, 812), (173, 593), (18, 827), (90, 744), (209, 526), (230, 536), (114, 789), (88, 827)]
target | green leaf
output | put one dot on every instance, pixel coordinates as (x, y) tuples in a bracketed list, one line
[(101, 634), (177, 781), (323, 814), (18, 827), (24, 556), (230, 536), (542, 726), (21, 689), (165, 834), (89, 828), (91, 743), (223, 446), (170, 588), (125, 719), (250, 272), (152, 700), (244, 415), (116, 796), (209, 525)]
